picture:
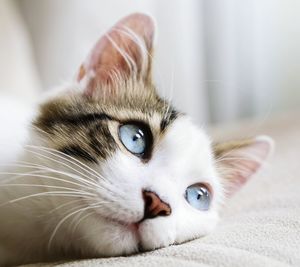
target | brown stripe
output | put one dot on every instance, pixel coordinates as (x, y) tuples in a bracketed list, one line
[(78, 152), (168, 119)]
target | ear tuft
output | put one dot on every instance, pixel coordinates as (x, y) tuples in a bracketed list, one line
[(239, 160), (266, 144), (124, 52)]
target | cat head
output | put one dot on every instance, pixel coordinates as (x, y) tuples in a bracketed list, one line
[(144, 174)]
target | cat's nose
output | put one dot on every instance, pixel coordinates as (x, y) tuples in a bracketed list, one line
[(154, 206)]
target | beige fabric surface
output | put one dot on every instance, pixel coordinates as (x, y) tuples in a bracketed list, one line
[(261, 223)]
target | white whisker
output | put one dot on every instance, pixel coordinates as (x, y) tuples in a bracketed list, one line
[(49, 193), (64, 205), (51, 152), (62, 221), (70, 159), (30, 174), (80, 220)]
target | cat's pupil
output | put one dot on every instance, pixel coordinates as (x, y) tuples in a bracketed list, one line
[(137, 136), (201, 193)]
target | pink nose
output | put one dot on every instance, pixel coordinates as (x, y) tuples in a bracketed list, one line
[(154, 206)]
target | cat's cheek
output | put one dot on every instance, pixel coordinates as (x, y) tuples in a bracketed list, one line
[(191, 225), (157, 233), (106, 238)]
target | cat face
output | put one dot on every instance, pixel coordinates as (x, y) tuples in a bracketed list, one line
[(174, 166), (172, 156), (148, 176)]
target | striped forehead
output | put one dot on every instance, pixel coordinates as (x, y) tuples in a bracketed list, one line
[(157, 120), (81, 129), (67, 111)]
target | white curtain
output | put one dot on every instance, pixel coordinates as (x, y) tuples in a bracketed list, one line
[(18, 75), (219, 60), (253, 56)]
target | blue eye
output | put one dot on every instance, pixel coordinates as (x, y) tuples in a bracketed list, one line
[(134, 138), (198, 196)]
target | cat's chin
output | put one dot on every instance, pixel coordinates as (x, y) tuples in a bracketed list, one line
[(131, 238), (156, 233)]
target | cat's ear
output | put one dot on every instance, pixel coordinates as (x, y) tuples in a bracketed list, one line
[(123, 52), (237, 161)]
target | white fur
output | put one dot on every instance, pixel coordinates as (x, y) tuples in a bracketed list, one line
[(53, 205), (182, 158), (49, 224)]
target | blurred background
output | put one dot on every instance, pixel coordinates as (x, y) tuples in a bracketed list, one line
[(218, 60)]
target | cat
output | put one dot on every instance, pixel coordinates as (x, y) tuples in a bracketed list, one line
[(110, 168)]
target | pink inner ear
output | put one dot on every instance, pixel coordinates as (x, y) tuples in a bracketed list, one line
[(122, 52), (243, 162)]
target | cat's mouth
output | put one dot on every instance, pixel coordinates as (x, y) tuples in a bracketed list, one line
[(132, 227)]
